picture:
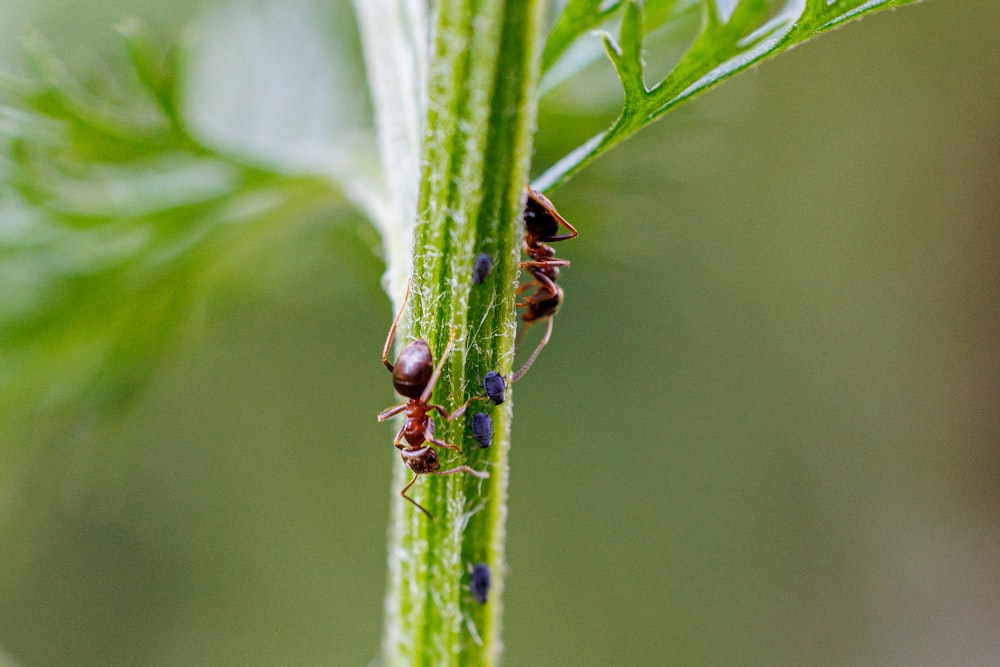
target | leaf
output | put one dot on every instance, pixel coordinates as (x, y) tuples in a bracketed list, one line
[(627, 57), (735, 34), (394, 36), (577, 18), (567, 54), (279, 85), (113, 220)]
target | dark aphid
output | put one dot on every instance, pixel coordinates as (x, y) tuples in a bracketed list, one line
[(481, 268), (414, 376), (482, 428), (479, 582), (495, 386)]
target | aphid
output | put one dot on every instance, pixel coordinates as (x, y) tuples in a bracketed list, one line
[(479, 582), (495, 386), (481, 268), (542, 224), (482, 429), (414, 376)]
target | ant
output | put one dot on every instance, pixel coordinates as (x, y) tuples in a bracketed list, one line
[(542, 225), (414, 376)]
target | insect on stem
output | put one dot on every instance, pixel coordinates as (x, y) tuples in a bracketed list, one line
[(542, 225), (414, 376)]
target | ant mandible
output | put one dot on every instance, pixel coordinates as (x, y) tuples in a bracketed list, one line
[(414, 376), (542, 225)]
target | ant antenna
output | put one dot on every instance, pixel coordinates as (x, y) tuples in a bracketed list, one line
[(392, 329), (534, 355), (462, 468)]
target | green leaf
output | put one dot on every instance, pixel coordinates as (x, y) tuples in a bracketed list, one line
[(627, 56), (115, 219), (154, 67), (577, 18), (394, 36), (568, 49), (734, 36)]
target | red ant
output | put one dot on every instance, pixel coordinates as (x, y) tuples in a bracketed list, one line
[(542, 224), (414, 376)]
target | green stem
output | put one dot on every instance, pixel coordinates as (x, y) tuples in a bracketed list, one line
[(482, 83)]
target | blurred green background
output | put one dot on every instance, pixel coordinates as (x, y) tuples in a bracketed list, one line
[(766, 431)]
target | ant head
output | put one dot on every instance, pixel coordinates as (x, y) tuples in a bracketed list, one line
[(541, 218), (421, 461), (413, 369)]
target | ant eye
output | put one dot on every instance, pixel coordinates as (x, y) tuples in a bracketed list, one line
[(432, 457)]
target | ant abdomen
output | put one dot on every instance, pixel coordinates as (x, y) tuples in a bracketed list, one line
[(413, 369)]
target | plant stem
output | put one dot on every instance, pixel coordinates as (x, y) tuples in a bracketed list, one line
[(482, 83)]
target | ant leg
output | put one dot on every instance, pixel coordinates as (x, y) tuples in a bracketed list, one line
[(442, 443), (392, 329), (391, 412), (429, 389), (477, 473), (463, 468), (542, 282), (534, 355), (415, 503), (555, 261), (399, 437), (429, 437), (457, 413)]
